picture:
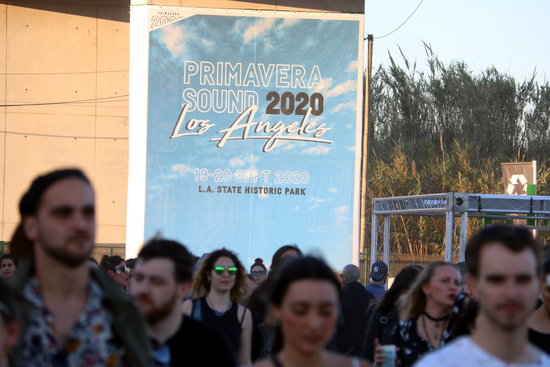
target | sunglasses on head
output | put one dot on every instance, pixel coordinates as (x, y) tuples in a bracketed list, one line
[(121, 269), (232, 270)]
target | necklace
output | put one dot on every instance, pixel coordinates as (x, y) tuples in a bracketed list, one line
[(436, 336), (437, 319), (216, 312)]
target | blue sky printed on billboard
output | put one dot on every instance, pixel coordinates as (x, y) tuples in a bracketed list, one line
[(252, 125)]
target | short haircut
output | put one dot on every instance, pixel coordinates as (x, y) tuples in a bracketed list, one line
[(28, 205), (20, 245), (109, 262), (171, 250), (352, 272), (10, 257), (513, 238)]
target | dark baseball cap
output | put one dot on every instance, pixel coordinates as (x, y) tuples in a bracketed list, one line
[(378, 271)]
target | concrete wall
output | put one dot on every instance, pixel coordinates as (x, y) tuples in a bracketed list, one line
[(64, 68), (64, 85)]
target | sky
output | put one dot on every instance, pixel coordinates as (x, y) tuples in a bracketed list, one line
[(510, 35)]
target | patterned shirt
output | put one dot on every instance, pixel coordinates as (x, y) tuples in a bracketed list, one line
[(411, 345), (90, 343)]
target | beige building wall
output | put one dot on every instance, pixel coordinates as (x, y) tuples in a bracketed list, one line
[(64, 68), (64, 92)]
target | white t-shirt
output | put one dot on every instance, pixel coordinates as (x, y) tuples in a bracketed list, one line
[(463, 352)]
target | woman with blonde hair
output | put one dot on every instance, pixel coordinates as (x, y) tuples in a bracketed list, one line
[(425, 313), (218, 286)]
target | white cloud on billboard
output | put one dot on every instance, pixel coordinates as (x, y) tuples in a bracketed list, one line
[(174, 40), (316, 200), (236, 162), (345, 106), (352, 67), (317, 150), (241, 161), (324, 85), (257, 29), (288, 22), (341, 214), (332, 189), (342, 88), (207, 43), (252, 159), (181, 168)]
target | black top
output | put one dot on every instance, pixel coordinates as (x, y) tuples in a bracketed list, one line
[(411, 345), (541, 340), (226, 323), (355, 301), (381, 325), (197, 345)]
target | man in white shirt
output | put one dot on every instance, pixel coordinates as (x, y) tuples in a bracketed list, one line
[(505, 279)]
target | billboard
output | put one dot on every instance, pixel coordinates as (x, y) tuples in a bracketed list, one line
[(245, 130)]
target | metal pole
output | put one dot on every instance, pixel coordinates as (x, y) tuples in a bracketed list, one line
[(463, 235), (364, 147), (373, 239), (387, 239), (449, 224)]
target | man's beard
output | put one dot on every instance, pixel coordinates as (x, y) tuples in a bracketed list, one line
[(508, 327), (64, 256), (161, 312)]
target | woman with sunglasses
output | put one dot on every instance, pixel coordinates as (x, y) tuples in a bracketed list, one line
[(258, 271), (218, 284), (116, 269)]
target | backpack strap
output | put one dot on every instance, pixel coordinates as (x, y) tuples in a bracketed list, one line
[(244, 313), (196, 311)]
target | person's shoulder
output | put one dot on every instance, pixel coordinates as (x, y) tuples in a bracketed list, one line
[(451, 355), (263, 363), (339, 360), (544, 359), (187, 306)]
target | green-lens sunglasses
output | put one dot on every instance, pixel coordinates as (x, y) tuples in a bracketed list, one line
[(232, 270)]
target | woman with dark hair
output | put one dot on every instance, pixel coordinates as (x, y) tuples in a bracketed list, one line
[(305, 300), (218, 285), (116, 269), (258, 271), (384, 315), (425, 312), (8, 266), (285, 252)]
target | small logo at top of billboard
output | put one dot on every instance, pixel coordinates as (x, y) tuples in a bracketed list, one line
[(517, 185)]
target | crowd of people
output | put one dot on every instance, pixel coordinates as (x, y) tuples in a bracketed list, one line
[(60, 307)]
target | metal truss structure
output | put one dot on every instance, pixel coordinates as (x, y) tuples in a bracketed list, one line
[(451, 205)]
